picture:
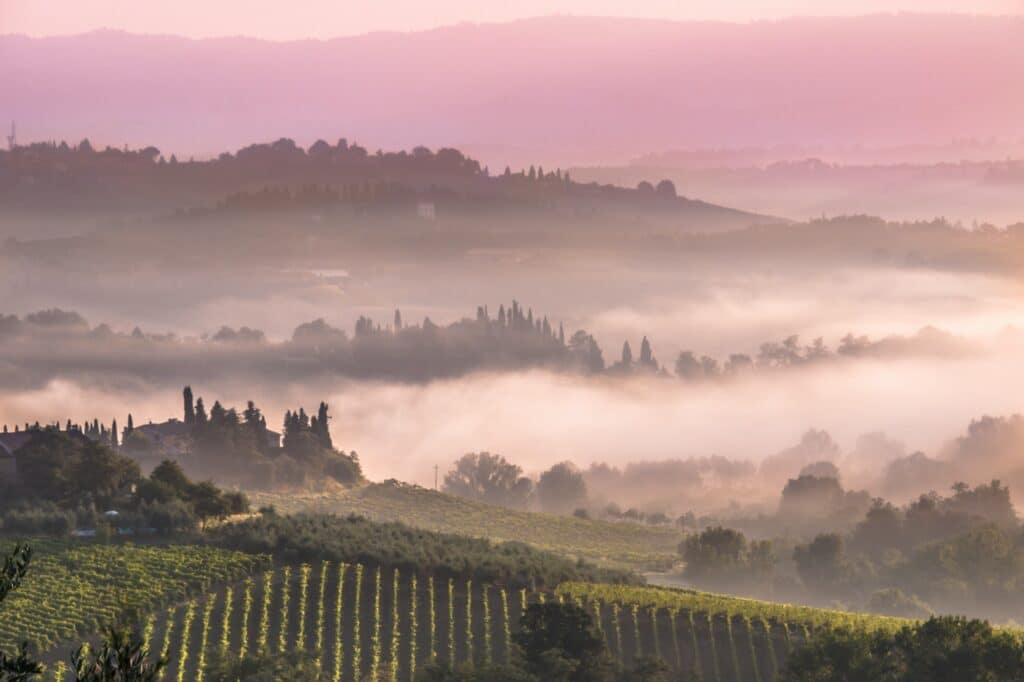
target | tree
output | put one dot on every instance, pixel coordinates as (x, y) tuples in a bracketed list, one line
[(559, 641), (68, 469), (666, 188), (322, 431), (822, 564), (190, 409), (713, 551), (113, 435), (209, 502), (201, 417), (21, 666), (170, 474), (121, 657), (489, 478), (646, 355), (561, 489), (627, 355), (688, 367)]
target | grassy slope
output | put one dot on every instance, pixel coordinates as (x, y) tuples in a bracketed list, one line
[(618, 544)]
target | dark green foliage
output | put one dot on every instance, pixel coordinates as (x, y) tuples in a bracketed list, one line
[(15, 568), (121, 657), (308, 538), (722, 557), (822, 564), (942, 649), (168, 483), (68, 478), (560, 641), (68, 469), (21, 666)]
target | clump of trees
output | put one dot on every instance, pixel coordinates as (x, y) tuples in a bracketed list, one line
[(242, 449), (489, 478), (941, 649), (958, 553), (67, 481), (724, 558)]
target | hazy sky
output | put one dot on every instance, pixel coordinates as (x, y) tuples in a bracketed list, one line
[(327, 18)]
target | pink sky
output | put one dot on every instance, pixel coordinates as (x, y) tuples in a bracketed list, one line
[(273, 19)]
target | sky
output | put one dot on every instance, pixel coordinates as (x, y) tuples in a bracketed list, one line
[(298, 19)]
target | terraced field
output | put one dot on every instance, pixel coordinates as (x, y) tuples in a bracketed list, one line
[(361, 622), (627, 545)]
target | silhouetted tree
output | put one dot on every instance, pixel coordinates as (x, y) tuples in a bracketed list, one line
[(190, 409), (489, 478), (200, 416), (561, 489), (627, 355)]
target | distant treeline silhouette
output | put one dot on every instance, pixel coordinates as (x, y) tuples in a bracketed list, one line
[(322, 175), (513, 339)]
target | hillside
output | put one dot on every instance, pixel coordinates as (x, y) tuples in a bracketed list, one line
[(362, 622), (618, 544), (506, 91), (76, 589)]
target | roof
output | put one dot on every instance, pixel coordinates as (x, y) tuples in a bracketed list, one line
[(12, 442), (171, 427)]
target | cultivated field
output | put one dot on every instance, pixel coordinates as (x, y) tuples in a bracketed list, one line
[(363, 622), (626, 545)]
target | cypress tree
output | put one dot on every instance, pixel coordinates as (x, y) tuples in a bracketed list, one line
[(113, 435), (200, 417), (627, 354), (190, 410), (646, 357), (323, 431)]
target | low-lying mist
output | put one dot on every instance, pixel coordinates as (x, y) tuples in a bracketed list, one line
[(537, 418)]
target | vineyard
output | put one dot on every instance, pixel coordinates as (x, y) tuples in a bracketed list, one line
[(361, 622), (73, 591), (623, 544)]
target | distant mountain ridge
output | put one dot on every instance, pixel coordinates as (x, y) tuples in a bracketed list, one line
[(565, 89)]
